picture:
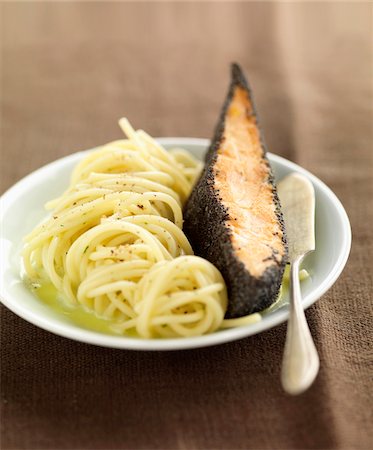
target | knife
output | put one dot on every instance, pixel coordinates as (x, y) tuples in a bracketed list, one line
[(300, 363)]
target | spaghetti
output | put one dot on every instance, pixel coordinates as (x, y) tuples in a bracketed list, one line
[(114, 243)]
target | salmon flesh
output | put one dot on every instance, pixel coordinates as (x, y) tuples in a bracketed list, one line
[(233, 216)]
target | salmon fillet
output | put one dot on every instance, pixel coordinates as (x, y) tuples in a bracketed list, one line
[(233, 216)]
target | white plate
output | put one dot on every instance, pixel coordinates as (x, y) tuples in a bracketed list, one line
[(22, 209)]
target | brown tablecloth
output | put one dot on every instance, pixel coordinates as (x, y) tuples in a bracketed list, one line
[(69, 71)]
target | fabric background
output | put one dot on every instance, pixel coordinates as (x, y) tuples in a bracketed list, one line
[(69, 71)]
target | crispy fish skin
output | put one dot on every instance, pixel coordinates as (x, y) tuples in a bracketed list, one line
[(233, 216)]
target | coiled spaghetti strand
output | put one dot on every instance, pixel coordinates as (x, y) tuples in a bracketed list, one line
[(114, 242)]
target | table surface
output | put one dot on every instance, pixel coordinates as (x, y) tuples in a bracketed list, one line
[(69, 71)]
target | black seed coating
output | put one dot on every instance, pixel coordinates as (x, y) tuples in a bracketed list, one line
[(205, 225)]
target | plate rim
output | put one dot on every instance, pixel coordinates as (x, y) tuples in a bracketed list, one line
[(76, 333)]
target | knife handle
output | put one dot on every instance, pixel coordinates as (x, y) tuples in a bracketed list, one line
[(300, 363)]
